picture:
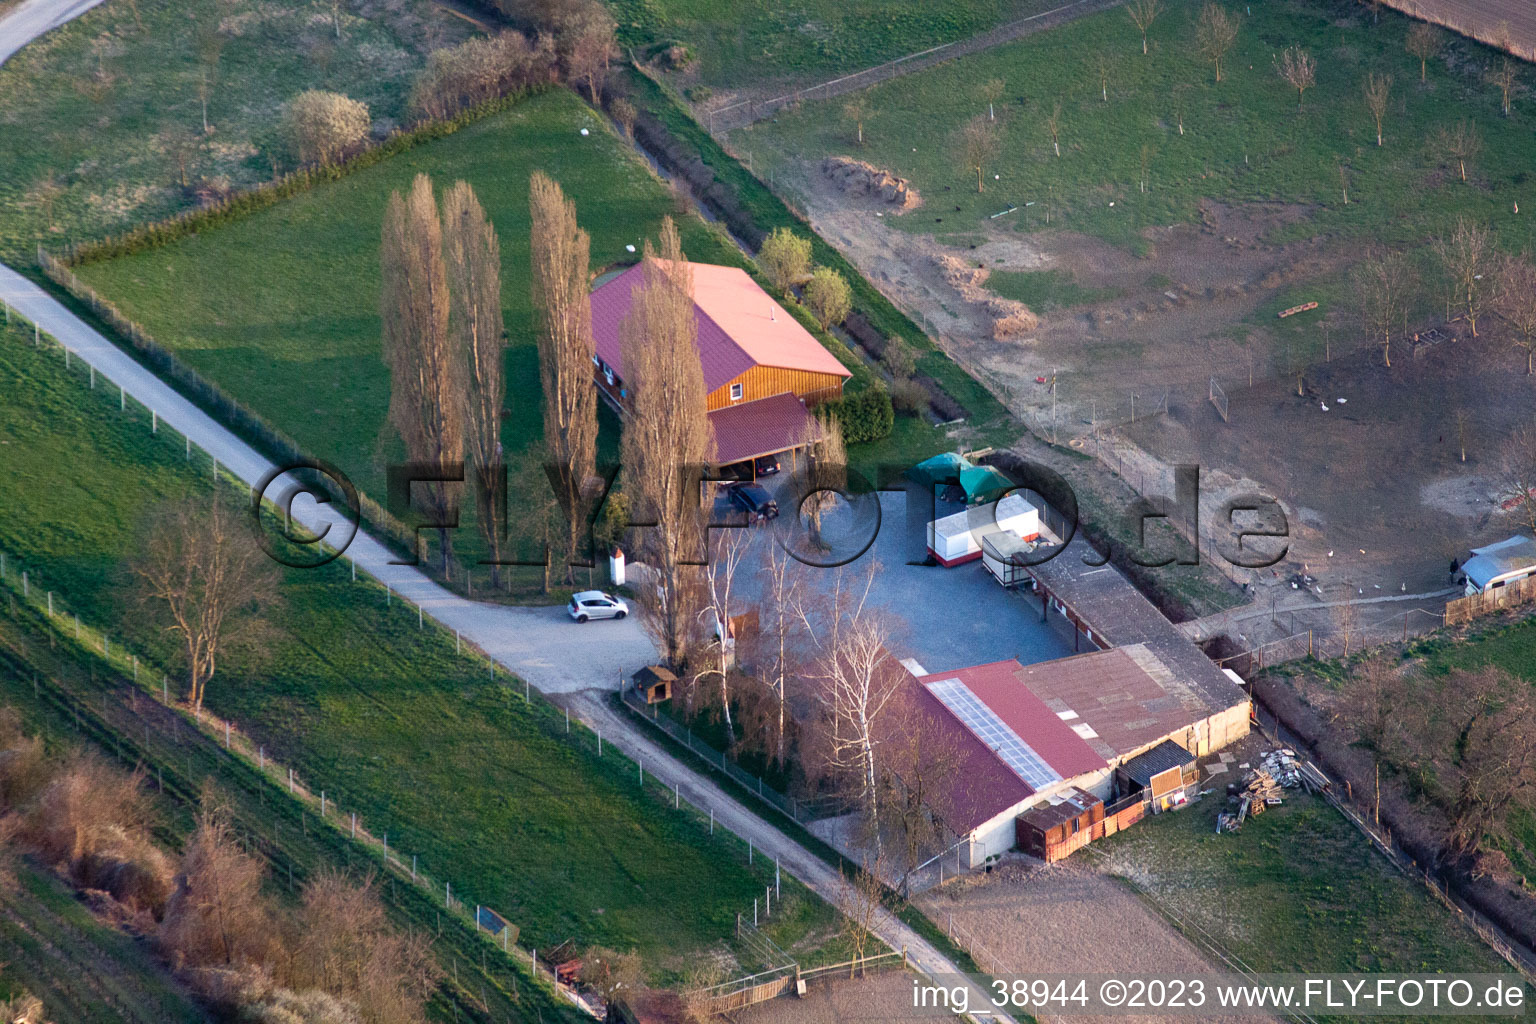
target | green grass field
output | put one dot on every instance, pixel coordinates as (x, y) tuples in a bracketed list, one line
[(281, 308), (487, 790), (1045, 290), (738, 43), (89, 109), (1243, 139), (1298, 889), (81, 969)]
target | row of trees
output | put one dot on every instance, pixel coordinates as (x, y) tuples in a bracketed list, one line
[(1464, 741), (333, 959), (1477, 278)]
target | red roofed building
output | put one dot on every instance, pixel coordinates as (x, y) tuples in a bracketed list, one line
[(1013, 752), (763, 371)]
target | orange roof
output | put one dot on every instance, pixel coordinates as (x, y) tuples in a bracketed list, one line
[(740, 326)]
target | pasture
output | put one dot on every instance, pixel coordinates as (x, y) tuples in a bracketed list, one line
[(739, 44), (1340, 907), (100, 115), (1241, 140), (386, 716)]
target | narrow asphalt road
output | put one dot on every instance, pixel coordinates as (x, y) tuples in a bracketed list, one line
[(579, 663), (35, 17)]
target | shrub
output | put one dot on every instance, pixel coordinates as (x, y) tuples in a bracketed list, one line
[(866, 415), (898, 359), (698, 93), (478, 70), (320, 126), (785, 258), (908, 396), (828, 297)]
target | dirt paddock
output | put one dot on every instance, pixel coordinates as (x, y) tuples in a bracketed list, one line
[(1067, 918), (1367, 461)]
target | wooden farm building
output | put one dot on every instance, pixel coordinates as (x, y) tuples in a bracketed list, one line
[(1054, 755), (763, 371)]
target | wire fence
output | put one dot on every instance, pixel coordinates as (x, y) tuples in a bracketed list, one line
[(1343, 639), (26, 589), (729, 117), (802, 810)]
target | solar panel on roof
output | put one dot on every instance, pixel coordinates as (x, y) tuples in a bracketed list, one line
[(995, 733)]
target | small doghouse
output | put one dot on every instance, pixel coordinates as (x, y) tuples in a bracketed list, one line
[(655, 683)]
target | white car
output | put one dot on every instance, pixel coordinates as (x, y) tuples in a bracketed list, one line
[(594, 604)]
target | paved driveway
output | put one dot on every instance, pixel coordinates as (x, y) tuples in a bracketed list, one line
[(945, 618)]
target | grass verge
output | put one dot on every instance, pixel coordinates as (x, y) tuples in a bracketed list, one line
[(387, 717)]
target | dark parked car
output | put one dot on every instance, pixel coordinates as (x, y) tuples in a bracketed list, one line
[(754, 500), (767, 465)]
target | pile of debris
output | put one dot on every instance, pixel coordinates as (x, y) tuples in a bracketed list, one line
[(862, 178), (1263, 786), (1010, 318)]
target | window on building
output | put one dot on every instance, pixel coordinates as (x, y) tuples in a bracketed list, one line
[(735, 392)]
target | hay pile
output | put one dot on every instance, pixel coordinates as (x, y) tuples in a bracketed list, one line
[(1010, 318), (861, 178)]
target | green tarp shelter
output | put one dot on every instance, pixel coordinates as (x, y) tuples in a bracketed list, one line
[(939, 469), (981, 484)]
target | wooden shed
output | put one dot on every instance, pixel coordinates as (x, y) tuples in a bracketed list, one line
[(1054, 830), (1162, 775), (655, 683)]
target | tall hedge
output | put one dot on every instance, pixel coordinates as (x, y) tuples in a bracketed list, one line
[(865, 415)]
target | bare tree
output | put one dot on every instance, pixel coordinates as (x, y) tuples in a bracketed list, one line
[(1143, 13), (472, 256), (1461, 142), (1463, 431), (728, 549), (1517, 476), (210, 49), (1148, 151), (1299, 69), (977, 144), (1215, 33), (426, 398), (1053, 127), (216, 917), (624, 113), (782, 597), (592, 49), (1378, 96), (1483, 749), (666, 441), (920, 763), (1103, 64), (343, 943), (826, 474), (203, 572), (561, 253), (1382, 284), (861, 898), (1516, 303), (856, 110), (858, 680), (990, 92), (1466, 254), (1423, 42), (1504, 75)]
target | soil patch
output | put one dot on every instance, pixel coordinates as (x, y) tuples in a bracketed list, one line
[(860, 178), (1067, 918)]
